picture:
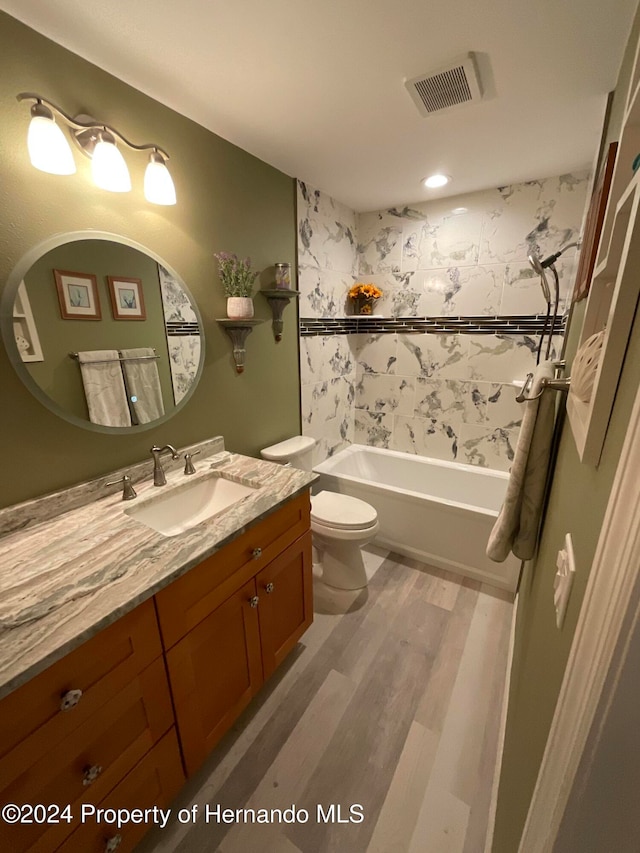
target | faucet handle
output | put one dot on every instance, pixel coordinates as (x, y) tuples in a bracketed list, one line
[(128, 492), (188, 464)]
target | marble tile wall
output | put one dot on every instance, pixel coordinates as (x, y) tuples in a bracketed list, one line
[(327, 267), (183, 334), (467, 255), (443, 395)]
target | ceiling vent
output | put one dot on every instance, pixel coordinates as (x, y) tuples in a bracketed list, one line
[(449, 86)]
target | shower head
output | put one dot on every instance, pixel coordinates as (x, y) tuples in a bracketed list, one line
[(534, 260)]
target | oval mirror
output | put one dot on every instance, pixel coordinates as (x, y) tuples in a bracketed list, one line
[(102, 331)]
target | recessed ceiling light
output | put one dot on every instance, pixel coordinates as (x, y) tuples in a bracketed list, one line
[(458, 210), (437, 180)]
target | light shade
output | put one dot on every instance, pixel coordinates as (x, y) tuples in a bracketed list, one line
[(434, 181), (108, 167), (48, 148), (158, 186)]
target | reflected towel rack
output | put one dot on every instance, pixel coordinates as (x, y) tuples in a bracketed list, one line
[(556, 384), (76, 356)]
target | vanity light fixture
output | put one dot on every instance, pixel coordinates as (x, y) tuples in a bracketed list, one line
[(437, 180), (158, 186), (48, 149), (108, 166), (50, 152)]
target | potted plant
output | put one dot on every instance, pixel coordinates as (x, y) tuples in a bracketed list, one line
[(237, 280), (363, 297)]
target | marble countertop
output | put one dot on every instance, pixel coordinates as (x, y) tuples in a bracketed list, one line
[(73, 563)]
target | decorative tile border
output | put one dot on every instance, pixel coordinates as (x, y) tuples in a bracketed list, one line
[(483, 325), (182, 328)]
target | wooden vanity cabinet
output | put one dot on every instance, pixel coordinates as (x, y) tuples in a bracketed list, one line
[(254, 617), (98, 726), (74, 733)]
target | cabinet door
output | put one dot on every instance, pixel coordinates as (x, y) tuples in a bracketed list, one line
[(214, 671), (285, 591)]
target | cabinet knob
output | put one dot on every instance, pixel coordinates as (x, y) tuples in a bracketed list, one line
[(257, 552), (91, 774), (269, 587), (70, 699), (113, 843), (254, 600)]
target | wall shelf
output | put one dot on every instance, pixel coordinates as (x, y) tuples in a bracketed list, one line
[(238, 330), (278, 299), (24, 327)]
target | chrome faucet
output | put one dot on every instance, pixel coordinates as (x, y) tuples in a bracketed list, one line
[(159, 478)]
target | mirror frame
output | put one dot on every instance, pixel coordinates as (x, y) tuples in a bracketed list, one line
[(6, 327)]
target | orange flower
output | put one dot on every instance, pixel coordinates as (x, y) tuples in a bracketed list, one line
[(360, 289)]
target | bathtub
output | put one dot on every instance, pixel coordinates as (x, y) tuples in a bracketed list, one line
[(435, 511)]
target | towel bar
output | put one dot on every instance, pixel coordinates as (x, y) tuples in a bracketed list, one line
[(129, 358), (551, 384)]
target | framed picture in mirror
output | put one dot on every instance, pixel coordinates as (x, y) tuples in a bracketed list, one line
[(78, 295), (127, 298)]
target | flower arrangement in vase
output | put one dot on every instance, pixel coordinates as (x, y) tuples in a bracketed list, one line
[(364, 297), (237, 279)]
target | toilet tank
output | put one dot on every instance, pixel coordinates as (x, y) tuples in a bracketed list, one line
[(297, 451)]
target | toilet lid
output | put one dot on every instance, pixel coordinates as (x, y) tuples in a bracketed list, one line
[(341, 511)]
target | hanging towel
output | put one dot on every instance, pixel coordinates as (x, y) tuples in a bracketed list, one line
[(104, 387), (143, 383), (516, 528)]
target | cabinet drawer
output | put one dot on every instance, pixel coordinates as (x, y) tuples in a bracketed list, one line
[(187, 601), (91, 761), (31, 718), (155, 781)]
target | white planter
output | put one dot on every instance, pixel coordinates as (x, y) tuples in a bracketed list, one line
[(239, 307)]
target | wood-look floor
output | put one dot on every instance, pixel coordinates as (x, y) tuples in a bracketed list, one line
[(392, 700)]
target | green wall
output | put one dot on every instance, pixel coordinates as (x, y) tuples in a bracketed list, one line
[(228, 200), (577, 502)]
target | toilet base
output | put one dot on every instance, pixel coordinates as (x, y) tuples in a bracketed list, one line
[(342, 563)]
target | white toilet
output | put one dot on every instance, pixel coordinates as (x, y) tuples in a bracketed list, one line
[(340, 524)]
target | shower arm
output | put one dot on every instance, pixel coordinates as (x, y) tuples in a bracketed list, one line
[(550, 261)]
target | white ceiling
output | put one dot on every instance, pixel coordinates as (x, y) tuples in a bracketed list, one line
[(315, 87)]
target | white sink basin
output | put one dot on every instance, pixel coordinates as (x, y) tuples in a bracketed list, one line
[(188, 505)]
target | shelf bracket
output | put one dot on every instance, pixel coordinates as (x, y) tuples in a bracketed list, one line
[(278, 300), (238, 330)]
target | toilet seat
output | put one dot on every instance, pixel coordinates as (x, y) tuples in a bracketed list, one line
[(333, 511)]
